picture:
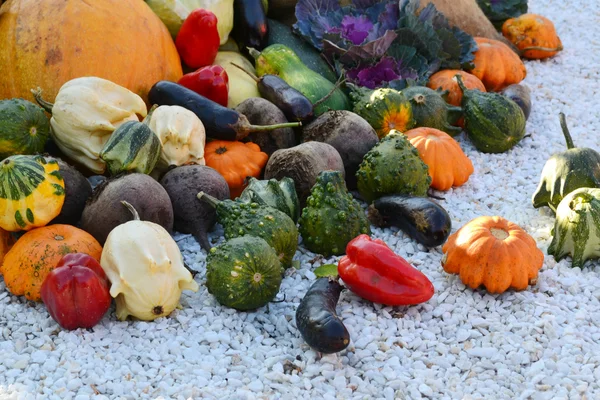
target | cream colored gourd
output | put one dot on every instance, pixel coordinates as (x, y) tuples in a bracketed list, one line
[(145, 268), (85, 113), (182, 136), (241, 85)]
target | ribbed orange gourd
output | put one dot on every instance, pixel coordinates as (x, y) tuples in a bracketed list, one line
[(496, 65), (448, 164), (493, 252), (47, 43), (37, 252), (534, 35), (235, 161)]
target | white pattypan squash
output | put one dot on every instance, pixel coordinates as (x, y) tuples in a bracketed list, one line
[(86, 112), (145, 268), (182, 136)]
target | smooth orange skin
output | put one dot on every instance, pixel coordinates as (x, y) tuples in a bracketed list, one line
[(6, 243), (235, 161), (38, 252), (480, 258), (533, 30), (448, 164), (496, 65), (47, 43)]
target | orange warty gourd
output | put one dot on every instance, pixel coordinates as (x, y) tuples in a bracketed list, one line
[(37, 252), (496, 65), (47, 43), (6, 242), (534, 35), (493, 252), (235, 161), (448, 164)]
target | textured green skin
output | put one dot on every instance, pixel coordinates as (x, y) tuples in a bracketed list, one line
[(18, 118), (231, 269), (431, 110), (277, 194), (393, 166), (493, 122), (375, 105), (332, 217), (268, 223), (577, 227), (132, 147), (280, 60)]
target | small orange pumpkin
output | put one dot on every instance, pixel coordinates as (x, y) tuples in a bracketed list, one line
[(534, 35), (493, 252), (37, 252), (235, 161), (6, 242), (496, 65), (448, 164)]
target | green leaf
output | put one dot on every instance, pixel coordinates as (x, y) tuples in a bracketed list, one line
[(326, 270)]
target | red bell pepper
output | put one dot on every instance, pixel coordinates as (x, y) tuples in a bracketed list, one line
[(374, 272), (198, 39), (76, 292), (211, 82)]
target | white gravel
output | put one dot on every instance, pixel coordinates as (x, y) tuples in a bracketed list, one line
[(462, 344)]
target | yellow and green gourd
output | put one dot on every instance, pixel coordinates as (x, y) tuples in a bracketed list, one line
[(32, 192)]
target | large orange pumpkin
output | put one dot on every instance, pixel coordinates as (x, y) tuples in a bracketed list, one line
[(47, 43), (37, 252), (496, 65)]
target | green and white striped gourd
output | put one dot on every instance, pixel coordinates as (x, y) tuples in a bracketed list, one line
[(24, 128)]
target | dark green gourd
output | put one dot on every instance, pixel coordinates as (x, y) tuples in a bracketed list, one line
[(277, 194), (430, 109), (24, 128)]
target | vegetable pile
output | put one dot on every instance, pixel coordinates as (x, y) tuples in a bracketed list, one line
[(286, 137)]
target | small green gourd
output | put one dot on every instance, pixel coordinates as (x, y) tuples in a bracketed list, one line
[(392, 166), (430, 109), (24, 128), (332, 217), (493, 122), (567, 171), (277, 194), (576, 230)]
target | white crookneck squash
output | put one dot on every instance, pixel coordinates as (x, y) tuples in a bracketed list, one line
[(145, 268), (85, 113)]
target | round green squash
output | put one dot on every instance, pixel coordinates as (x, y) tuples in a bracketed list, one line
[(32, 192), (393, 166), (277, 194), (243, 273), (24, 128), (430, 109), (576, 230), (493, 122)]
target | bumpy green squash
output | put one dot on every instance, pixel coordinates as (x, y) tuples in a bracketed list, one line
[(278, 59), (567, 171), (243, 273), (577, 227), (493, 122), (384, 109), (24, 128), (277, 194), (393, 166), (332, 217), (132, 147), (430, 109), (32, 192), (274, 226)]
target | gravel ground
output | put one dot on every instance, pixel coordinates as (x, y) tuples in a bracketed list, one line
[(462, 344)]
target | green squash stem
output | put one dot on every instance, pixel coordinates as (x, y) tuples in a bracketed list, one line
[(132, 210), (563, 125), (207, 198), (37, 95), (146, 120), (461, 84)]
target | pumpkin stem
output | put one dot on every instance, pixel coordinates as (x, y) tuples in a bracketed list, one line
[(213, 201), (37, 95), (221, 150), (563, 125), (339, 83), (132, 210), (499, 234), (250, 74), (146, 120)]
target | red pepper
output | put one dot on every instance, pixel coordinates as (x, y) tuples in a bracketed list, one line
[(198, 39), (211, 82), (76, 292), (374, 272)]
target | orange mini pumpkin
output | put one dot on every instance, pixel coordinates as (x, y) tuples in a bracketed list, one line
[(37, 252), (493, 252), (534, 35), (235, 161), (448, 164), (496, 65)]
